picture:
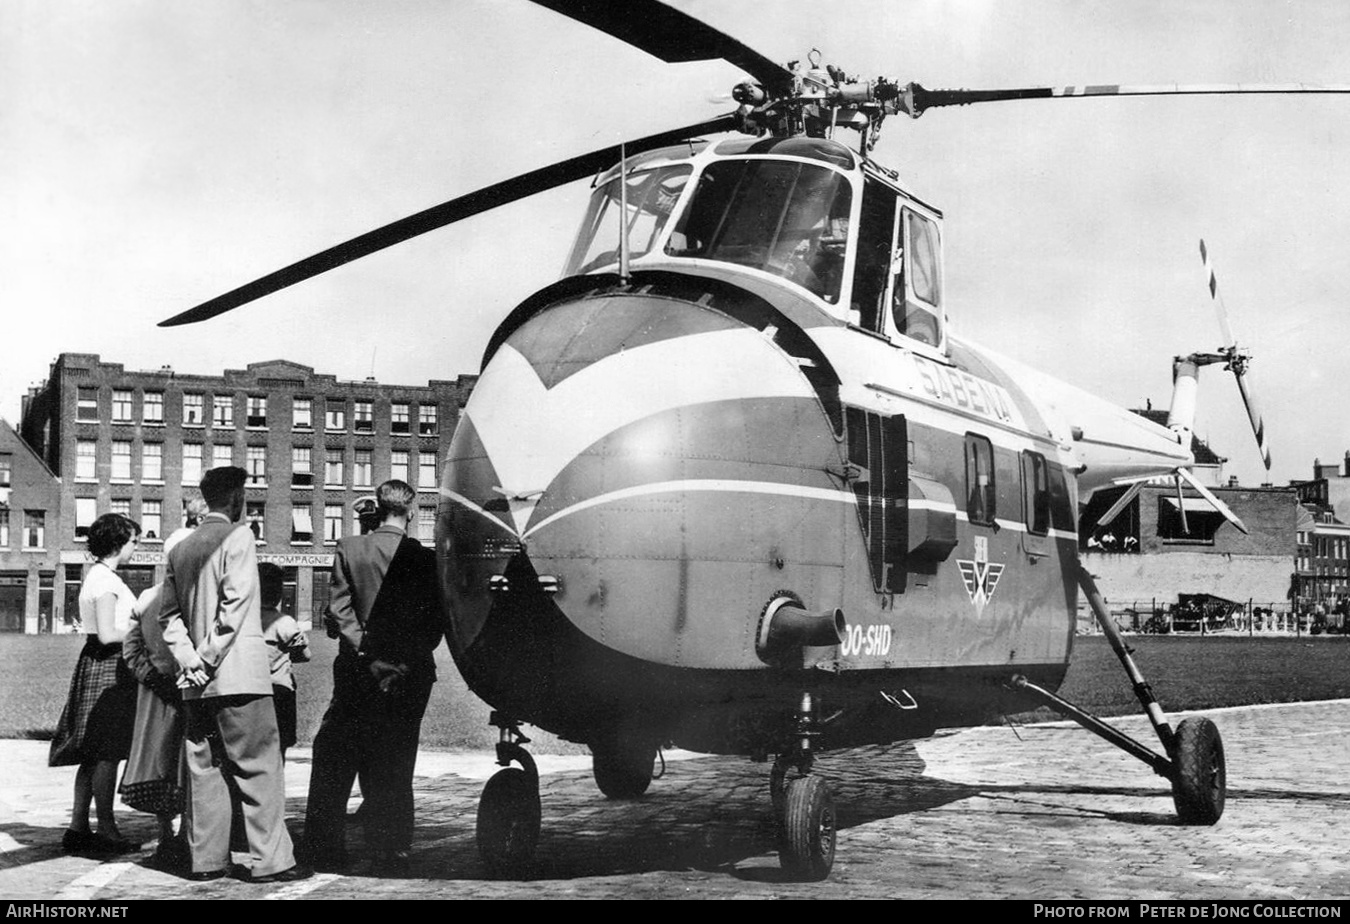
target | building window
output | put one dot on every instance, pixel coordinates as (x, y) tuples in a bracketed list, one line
[(332, 468), (363, 419), (1200, 524), (87, 407), (121, 408), (335, 414), (302, 526), (4, 527), (255, 461), (426, 471), (151, 510), (426, 525), (192, 464), (120, 505), (302, 474), (223, 411), (152, 408), (257, 411), (222, 454), (398, 465), (6, 469), (193, 416), (398, 417), (332, 522), (86, 511), (302, 414), (361, 473), (152, 462), (121, 460), (34, 529), (86, 460), (979, 480), (255, 515), (426, 419)]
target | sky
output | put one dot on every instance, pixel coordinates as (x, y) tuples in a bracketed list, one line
[(154, 154)]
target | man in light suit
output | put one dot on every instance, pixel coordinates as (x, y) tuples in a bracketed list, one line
[(384, 610), (211, 617)]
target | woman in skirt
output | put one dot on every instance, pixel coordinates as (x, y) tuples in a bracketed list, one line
[(154, 780), (96, 725)]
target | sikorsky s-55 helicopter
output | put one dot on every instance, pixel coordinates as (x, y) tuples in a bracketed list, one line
[(734, 484)]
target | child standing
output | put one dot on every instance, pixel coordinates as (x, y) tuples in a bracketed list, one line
[(286, 643)]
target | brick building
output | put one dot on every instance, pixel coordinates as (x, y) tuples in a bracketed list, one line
[(30, 519), (137, 443), (1150, 553)]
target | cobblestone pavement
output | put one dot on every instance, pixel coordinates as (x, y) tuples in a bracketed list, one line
[(1048, 812)]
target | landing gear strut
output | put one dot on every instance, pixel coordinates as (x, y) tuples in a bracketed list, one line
[(1194, 763), (509, 810), (803, 806)]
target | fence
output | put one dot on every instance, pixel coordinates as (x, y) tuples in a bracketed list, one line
[(1251, 618)]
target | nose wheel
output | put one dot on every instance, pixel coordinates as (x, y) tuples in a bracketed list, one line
[(803, 806), (509, 811)]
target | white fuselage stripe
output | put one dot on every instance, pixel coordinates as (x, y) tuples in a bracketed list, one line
[(731, 486), (698, 485)]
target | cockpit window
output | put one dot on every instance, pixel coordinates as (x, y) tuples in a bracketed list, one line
[(651, 196), (783, 217)]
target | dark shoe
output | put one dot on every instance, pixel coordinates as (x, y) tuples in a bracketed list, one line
[(394, 864), (205, 875), (110, 846), (172, 856), (294, 874), (76, 841)]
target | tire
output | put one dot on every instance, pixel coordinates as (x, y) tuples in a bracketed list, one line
[(807, 834), (623, 770), (1199, 777), (508, 821)]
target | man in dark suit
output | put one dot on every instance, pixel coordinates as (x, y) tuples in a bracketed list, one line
[(211, 619), (384, 610)]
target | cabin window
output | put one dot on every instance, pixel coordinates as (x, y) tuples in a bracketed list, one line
[(916, 305), (782, 217), (979, 480), (1036, 493), (651, 196), (876, 249)]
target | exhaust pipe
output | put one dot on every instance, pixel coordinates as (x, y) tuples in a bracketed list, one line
[(787, 627)]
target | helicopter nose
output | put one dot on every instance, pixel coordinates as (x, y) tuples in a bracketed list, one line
[(652, 481)]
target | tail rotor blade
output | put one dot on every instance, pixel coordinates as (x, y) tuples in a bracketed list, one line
[(1219, 307), (1254, 415)]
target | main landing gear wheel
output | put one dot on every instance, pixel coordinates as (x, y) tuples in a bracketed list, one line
[(508, 821), (1199, 776), (807, 831), (623, 770)]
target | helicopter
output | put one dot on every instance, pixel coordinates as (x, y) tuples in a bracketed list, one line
[(734, 483)]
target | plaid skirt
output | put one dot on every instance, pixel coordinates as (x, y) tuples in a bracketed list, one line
[(100, 712)]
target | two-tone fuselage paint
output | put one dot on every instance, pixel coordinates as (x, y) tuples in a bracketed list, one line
[(636, 476)]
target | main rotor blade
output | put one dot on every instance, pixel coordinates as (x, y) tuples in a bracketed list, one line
[(438, 216), (670, 35), (1119, 506), (919, 98)]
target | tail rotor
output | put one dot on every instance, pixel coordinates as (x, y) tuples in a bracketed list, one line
[(1236, 359)]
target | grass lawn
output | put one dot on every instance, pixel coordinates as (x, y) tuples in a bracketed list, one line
[(1186, 673)]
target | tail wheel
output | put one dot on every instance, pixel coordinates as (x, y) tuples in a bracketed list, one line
[(623, 770), (508, 821), (806, 836), (1199, 775)]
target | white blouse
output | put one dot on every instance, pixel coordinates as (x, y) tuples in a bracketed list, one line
[(99, 581)]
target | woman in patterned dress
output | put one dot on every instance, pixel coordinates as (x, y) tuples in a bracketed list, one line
[(96, 724)]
